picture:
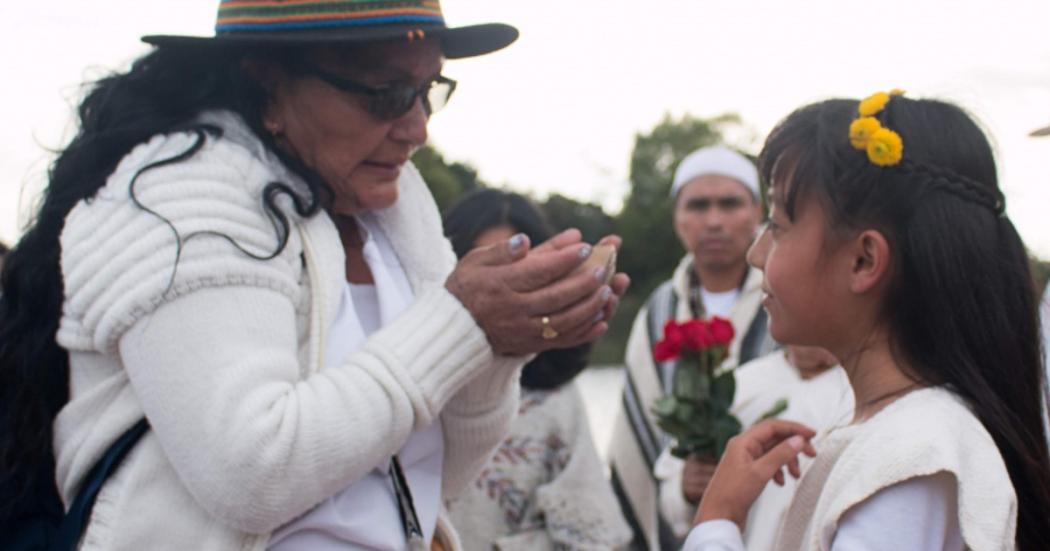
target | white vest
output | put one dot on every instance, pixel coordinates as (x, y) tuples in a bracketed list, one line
[(925, 432)]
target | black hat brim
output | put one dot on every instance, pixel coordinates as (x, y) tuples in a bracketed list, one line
[(456, 42)]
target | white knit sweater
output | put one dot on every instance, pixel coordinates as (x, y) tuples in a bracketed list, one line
[(926, 432), (223, 355)]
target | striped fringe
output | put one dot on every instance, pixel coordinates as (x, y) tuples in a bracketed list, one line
[(242, 15)]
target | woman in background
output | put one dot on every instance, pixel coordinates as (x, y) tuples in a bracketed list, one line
[(545, 487)]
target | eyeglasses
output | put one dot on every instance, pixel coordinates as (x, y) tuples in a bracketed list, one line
[(393, 101)]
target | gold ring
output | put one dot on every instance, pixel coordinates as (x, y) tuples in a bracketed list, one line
[(548, 331)]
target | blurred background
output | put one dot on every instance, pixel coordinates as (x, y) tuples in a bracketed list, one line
[(591, 109)]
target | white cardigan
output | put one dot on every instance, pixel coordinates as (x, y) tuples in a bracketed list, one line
[(223, 355)]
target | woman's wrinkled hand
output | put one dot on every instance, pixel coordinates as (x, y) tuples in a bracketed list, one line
[(509, 288), (751, 460)]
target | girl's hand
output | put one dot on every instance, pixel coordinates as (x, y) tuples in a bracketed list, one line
[(751, 459)]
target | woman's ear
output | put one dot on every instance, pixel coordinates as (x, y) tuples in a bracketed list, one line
[(871, 261), (270, 77)]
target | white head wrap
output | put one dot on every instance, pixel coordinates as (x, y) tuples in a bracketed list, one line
[(716, 160)]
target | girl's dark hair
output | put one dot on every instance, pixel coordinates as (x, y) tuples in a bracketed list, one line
[(961, 307), (490, 208), (163, 92)]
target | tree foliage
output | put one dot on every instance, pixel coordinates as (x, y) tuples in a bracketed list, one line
[(447, 181), (651, 250), (564, 212)]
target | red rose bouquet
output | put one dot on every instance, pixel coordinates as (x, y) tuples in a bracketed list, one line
[(696, 413)]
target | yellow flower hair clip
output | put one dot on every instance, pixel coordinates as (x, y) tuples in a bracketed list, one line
[(861, 130), (883, 146), (871, 105)]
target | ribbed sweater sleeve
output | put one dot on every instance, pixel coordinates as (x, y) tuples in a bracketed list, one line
[(218, 377), (121, 260)]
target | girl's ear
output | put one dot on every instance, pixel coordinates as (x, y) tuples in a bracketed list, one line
[(871, 261)]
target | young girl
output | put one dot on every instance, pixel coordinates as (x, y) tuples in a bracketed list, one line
[(888, 245)]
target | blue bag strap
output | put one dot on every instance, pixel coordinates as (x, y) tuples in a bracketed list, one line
[(76, 518)]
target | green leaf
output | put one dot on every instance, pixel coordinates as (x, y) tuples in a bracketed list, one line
[(689, 383), (723, 389), (671, 425), (719, 353), (777, 409), (665, 406), (722, 430), (686, 412), (697, 444)]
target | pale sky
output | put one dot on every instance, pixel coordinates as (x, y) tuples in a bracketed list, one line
[(558, 110)]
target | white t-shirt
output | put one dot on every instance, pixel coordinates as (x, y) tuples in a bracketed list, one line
[(718, 304), (365, 516)]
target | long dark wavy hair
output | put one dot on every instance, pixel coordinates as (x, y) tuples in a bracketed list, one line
[(163, 92), (485, 209), (961, 307)]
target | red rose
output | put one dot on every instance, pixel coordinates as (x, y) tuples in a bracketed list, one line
[(697, 335), (722, 331), (664, 351), (670, 347)]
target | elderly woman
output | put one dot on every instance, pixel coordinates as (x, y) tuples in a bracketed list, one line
[(236, 250)]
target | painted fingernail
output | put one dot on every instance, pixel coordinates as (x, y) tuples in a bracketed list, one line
[(516, 242), (600, 317), (599, 273), (796, 442), (606, 294), (585, 251)]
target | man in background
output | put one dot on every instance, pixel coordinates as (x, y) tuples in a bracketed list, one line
[(716, 215)]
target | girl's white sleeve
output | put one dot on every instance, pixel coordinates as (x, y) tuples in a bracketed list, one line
[(714, 535), (918, 514)]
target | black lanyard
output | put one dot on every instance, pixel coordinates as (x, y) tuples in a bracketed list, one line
[(406, 507)]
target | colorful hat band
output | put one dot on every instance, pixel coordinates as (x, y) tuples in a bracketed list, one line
[(275, 15)]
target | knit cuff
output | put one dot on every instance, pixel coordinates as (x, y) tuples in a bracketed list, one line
[(441, 348), (490, 388)]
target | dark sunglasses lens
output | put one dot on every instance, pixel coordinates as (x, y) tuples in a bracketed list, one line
[(393, 102)]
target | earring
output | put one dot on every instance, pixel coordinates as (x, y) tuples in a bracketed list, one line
[(273, 127)]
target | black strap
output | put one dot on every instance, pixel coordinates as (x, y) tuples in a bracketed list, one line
[(76, 518), (406, 507)]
